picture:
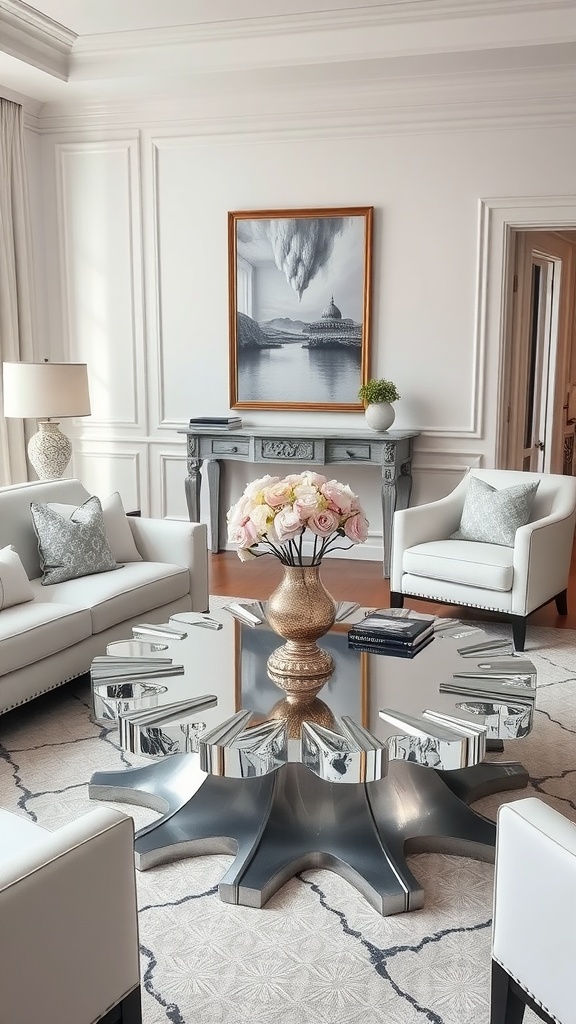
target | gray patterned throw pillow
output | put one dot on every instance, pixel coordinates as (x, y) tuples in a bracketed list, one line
[(492, 515), (73, 546)]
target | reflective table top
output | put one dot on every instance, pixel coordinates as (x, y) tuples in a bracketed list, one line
[(201, 684)]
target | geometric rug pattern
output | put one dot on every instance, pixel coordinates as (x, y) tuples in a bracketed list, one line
[(317, 953)]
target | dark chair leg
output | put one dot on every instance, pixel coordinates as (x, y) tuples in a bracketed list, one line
[(396, 599), (519, 631), (562, 603), (131, 1007), (506, 1006), (127, 1011)]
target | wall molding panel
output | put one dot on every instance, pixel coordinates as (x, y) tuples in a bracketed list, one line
[(104, 468), (99, 256)]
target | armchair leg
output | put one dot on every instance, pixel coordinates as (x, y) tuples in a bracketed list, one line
[(562, 603), (127, 1011), (396, 599), (506, 1006), (519, 631)]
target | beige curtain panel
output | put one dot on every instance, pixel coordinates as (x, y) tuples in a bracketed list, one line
[(16, 284)]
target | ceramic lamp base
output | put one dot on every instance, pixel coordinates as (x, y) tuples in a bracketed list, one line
[(49, 450)]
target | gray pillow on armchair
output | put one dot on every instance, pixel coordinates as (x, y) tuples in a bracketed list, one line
[(493, 516)]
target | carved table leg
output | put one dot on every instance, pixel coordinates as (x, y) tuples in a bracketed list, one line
[(213, 472)]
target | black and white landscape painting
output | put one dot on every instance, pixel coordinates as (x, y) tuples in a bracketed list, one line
[(300, 323)]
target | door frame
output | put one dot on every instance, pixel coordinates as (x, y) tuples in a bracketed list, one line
[(555, 255), (500, 218)]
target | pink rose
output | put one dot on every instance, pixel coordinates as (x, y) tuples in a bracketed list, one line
[(279, 493), (324, 523), (314, 479), (287, 524), (254, 489), (243, 534), (240, 511), (338, 496), (308, 504), (356, 528)]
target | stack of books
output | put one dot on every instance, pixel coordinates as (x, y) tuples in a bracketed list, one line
[(216, 422), (380, 633)]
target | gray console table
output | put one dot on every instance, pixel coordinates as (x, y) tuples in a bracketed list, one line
[(392, 451)]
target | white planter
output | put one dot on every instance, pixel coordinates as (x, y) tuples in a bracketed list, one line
[(380, 416)]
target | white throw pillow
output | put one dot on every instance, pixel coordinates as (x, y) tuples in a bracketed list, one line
[(118, 532), (15, 587)]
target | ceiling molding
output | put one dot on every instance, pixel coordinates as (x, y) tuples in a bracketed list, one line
[(397, 41), (398, 12), (413, 32), (543, 99), (35, 39)]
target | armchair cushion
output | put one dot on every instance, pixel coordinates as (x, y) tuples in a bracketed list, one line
[(462, 562), (492, 515)]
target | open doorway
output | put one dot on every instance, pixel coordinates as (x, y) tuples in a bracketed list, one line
[(540, 380)]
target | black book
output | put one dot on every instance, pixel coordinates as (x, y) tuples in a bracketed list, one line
[(387, 649), (215, 421), (402, 632), (383, 641)]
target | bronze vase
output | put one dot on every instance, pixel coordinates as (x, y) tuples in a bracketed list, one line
[(301, 610)]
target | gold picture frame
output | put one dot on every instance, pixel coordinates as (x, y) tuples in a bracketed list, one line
[(299, 308)]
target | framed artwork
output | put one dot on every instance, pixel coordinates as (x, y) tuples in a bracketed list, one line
[(299, 286)]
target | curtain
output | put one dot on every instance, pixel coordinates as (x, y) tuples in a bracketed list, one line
[(16, 283)]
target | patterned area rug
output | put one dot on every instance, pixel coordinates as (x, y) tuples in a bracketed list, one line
[(317, 953)]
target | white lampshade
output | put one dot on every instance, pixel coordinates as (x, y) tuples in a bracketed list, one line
[(46, 390)]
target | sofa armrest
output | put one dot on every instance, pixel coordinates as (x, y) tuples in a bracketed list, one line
[(542, 553), (69, 936), (179, 543), (421, 523)]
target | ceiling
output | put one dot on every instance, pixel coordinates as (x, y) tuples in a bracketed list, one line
[(65, 52)]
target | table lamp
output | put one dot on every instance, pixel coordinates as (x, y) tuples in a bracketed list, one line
[(42, 391)]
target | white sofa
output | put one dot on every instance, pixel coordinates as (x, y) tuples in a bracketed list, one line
[(53, 638)]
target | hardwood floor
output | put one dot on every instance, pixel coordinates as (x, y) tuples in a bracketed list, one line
[(355, 580)]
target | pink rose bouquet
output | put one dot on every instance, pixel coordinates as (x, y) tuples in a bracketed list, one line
[(275, 513)]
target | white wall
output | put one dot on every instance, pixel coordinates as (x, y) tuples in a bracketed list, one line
[(135, 226)]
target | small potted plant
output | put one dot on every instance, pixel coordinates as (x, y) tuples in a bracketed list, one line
[(377, 396)]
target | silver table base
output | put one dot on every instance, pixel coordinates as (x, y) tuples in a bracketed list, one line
[(291, 820)]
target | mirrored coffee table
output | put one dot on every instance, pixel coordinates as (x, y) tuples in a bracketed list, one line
[(385, 761)]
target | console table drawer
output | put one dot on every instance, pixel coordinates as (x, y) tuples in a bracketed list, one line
[(339, 451), (231, 446)]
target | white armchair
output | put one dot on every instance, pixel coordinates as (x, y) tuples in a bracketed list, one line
[(533, 944), (69, 935), (426, 563)]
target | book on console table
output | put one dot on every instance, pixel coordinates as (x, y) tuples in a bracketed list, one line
[(391, 650), (382, 629), (216, 422)]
